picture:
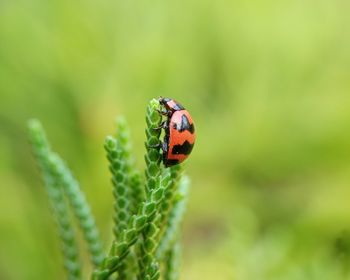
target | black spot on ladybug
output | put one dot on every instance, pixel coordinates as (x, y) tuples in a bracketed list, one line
[(184, 149), (184, 125), (171, 162)]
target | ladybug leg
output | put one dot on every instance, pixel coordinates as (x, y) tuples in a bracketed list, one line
[(163, 124), (165, 112), (162, 112), (165, 150), (165, 146)]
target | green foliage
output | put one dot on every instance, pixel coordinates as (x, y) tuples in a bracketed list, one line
[(42, 152), (80, 207), (174, 220), (267, 83), (171, 191), (118, 169), (152, 157), (147, 213), (116, 154), (137, 191)]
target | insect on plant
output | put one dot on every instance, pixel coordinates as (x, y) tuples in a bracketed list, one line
[(179, 132), (147, 211)]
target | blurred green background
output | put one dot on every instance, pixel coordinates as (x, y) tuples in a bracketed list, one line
[(268, 85)]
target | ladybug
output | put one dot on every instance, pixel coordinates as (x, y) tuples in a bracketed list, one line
[(179, 132)]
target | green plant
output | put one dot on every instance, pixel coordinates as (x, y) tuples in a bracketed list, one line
[(147, 213)]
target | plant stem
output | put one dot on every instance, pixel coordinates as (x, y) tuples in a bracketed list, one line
[(153, 156), (80, 206), (171, 191), (148, 265), (175, 219), (129, 236), (118, 166), (59, 206), (120, 189)]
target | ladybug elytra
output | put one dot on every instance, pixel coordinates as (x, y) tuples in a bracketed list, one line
[(179, 132)]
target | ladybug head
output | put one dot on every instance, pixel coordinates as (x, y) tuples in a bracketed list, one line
[(170, 104), (164, 100)]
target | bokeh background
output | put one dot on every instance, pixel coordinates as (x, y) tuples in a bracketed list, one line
[(268, 85)]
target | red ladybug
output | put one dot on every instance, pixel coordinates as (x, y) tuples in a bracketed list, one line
[(179, 132)]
